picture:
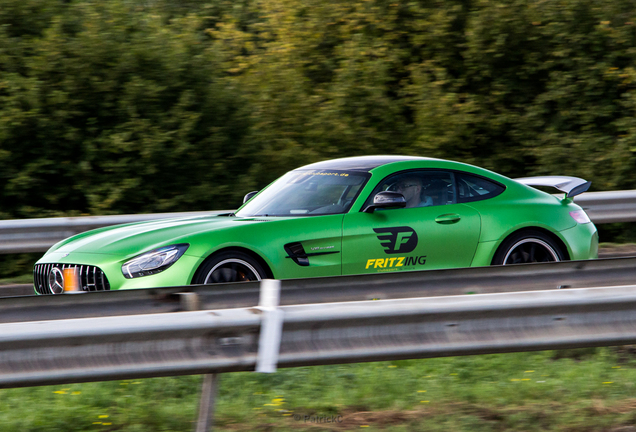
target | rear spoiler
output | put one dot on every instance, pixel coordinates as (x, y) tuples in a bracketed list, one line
[(570, 185)]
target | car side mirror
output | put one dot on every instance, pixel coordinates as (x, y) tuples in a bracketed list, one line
[(249, 196), (386, 200)]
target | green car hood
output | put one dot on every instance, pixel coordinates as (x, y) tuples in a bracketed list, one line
[(134, 239)]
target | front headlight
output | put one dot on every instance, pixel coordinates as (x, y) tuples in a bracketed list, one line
[(153, 262)]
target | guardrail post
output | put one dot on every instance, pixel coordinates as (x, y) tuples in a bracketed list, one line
[(190, 302), (271, 326), (206, 403), (268, 346)]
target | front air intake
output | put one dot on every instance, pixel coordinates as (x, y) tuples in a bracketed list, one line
[(91, 278)]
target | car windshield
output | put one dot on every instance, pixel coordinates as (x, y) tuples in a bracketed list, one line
[(307, 193)]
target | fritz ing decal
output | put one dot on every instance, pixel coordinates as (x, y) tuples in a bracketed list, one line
[(396, 240)]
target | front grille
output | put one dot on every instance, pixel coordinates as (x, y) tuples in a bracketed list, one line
[(91, 278)]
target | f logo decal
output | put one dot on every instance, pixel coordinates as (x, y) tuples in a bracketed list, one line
[(397, 240), (402, 237)]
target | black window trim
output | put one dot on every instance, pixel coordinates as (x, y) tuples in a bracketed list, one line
[(453, 173), (479, 198)]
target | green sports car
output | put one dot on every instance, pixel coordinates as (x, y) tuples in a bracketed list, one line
[(358, 215)]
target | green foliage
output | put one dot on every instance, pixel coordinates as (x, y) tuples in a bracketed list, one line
[(112, 110), (517, 86), (129, 106)]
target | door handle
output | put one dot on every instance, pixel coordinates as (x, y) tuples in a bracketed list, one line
[(449, 218)]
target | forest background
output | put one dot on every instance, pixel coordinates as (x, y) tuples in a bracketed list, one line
[(143, 106)]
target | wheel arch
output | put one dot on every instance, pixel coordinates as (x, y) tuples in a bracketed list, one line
[(560, 243), (249, 252)]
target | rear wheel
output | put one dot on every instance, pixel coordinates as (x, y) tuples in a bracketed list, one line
[(528, 247), (231, 266)]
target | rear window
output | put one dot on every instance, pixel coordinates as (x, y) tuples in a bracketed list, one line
[(474, 188)]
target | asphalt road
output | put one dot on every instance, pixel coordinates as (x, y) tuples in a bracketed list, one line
[(613, 252)]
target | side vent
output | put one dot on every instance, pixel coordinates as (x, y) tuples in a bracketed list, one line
[(296, 252)]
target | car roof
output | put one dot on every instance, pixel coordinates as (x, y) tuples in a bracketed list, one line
[(361, 163)]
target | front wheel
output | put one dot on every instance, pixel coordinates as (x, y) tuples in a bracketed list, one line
[(227, 267), (528, 247)]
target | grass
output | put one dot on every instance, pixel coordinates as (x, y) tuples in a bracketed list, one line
[(23, 279), (610, 246), (577, 390)]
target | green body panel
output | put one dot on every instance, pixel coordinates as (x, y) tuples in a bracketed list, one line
[(437, 245), (267, 237), (401, 239), (510, 211), (264, 237), (581, 241)]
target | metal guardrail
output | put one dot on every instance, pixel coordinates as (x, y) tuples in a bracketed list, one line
[(429, 283), (119, 334), (37, 235), (609, 207), (203, 342)]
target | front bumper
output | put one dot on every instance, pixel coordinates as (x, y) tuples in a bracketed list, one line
[(178, 274)]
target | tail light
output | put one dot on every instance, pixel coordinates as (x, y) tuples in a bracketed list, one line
[(580, 216)]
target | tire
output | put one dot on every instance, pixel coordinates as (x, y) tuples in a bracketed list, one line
[(528, 246), (231, 266)]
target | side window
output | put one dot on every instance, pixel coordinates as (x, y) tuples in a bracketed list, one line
[(474, 188), (420, 188)]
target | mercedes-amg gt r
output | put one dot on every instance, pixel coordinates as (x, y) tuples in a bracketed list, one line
[(339, 217)]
